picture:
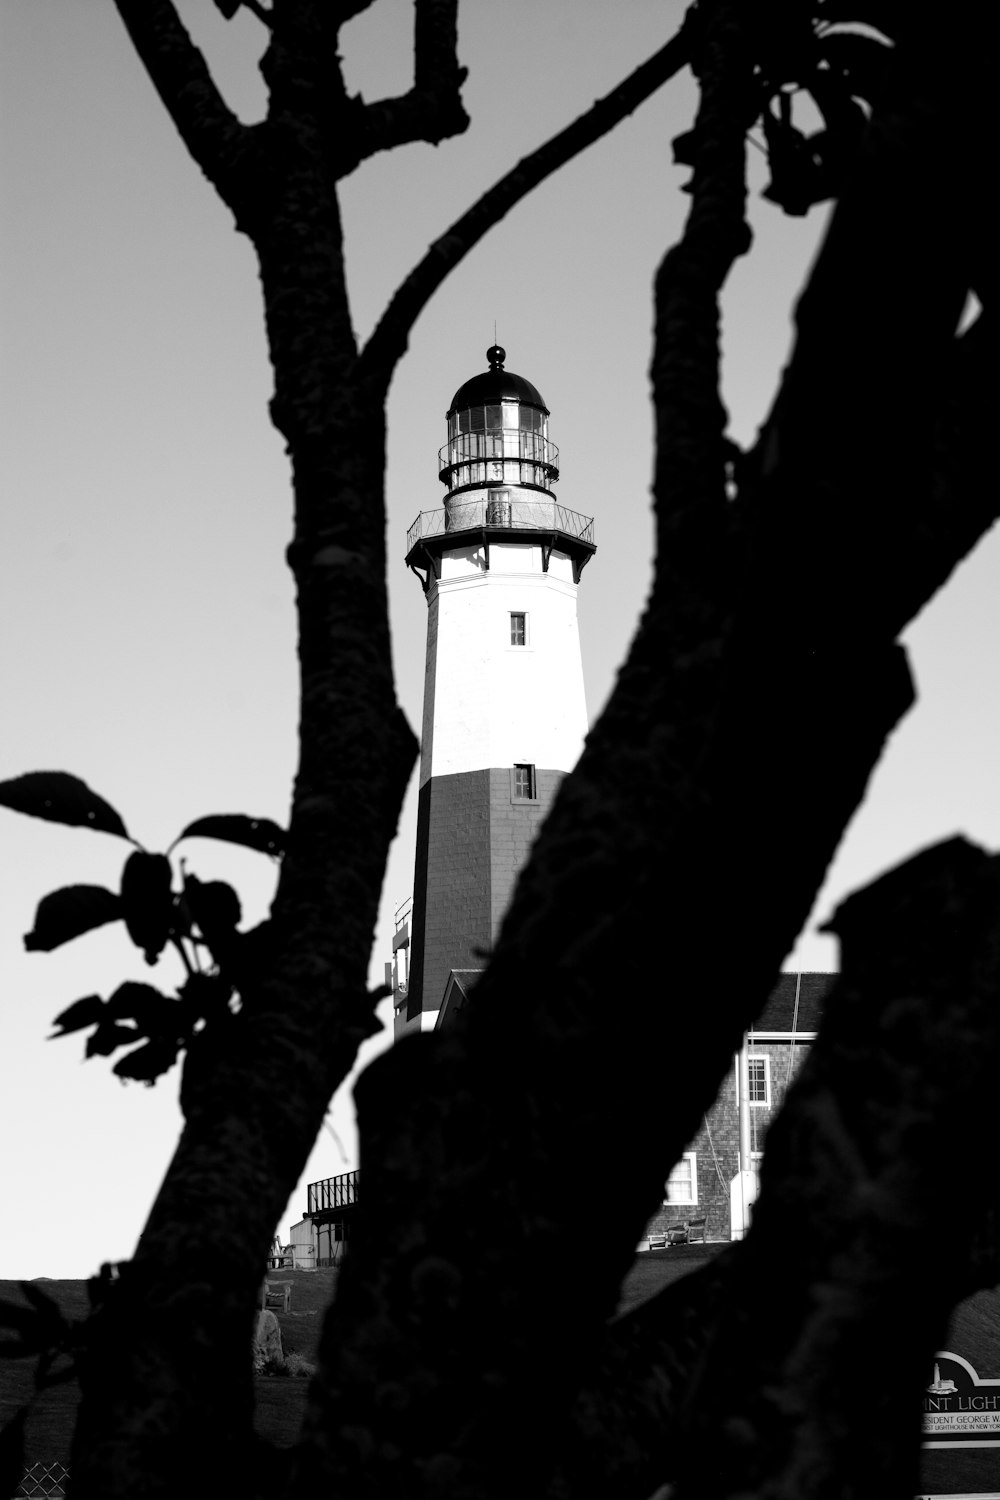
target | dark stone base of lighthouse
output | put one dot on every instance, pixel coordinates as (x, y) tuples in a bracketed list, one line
[(473, 836)]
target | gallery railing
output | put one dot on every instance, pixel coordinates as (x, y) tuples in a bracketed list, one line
[(502, 511)]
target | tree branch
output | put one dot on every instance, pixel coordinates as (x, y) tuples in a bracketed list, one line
[(219, 142), (389, 339), (435, 45), (432, 110), (874, 438)]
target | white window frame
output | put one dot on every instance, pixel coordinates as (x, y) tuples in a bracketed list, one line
[(525, 644), (691, 1157), (764, 1057)]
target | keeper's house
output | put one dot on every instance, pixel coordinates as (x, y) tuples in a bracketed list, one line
[(705, 1185), (320, 1238)]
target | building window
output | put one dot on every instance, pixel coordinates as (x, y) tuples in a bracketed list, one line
[(759, 1073), (522, 784), (682, 1184), (498, 512), (518, 628)]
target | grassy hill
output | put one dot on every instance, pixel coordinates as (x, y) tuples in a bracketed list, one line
[(280, 1401), (974, 1333)]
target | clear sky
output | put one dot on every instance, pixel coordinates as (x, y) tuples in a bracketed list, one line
[(146, 625)]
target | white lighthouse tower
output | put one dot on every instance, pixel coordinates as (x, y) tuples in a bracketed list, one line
[(504, 710)]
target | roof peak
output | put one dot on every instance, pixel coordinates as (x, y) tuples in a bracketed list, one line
[(495, 385)]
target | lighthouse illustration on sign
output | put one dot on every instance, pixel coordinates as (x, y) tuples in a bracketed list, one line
[(504, 711)]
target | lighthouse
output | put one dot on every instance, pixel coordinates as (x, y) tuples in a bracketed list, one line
[(504, 714)]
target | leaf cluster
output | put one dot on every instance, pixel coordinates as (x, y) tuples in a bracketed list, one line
[(199, 919), (834, 52)]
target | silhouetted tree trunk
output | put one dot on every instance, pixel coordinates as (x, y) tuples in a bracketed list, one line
[(455, 1362), (159, 1411)]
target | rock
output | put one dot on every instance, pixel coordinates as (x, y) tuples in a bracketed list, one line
[(266, 1342)]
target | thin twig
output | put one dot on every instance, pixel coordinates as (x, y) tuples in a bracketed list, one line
[(389, 339)]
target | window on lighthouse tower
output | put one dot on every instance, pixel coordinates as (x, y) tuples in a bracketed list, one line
[(523, 783), (518, 628)]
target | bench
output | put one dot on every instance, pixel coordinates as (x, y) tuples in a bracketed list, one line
[(276, 1294), (688, 1232)]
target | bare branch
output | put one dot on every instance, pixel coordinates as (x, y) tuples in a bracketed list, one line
[(435, 43), (216, 139), (389, 339), (689, 479), (432, 110)]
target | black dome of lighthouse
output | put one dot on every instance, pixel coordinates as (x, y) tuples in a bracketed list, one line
[(494, 385)]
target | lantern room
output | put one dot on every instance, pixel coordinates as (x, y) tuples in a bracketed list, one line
[(498, 433)]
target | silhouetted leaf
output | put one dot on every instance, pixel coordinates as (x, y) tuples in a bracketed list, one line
[(12, 1453), (148, 1062), (147, 902), (236, 828), (154, 1013), (80, 1014), (215, 908), (795, 176), (70, 912), (108, 1036), (60, 798)]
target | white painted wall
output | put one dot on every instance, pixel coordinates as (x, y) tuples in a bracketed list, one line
[(486, 702), (425, 1020)]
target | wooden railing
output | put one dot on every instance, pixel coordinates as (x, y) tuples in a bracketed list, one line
[(332, 1192)]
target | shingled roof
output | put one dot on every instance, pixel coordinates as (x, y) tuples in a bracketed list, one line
[(779, 1013)]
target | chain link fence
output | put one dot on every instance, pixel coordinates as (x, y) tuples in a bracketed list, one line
[(43, 1480)]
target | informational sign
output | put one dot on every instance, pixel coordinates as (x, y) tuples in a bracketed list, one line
[(960, 1409)]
